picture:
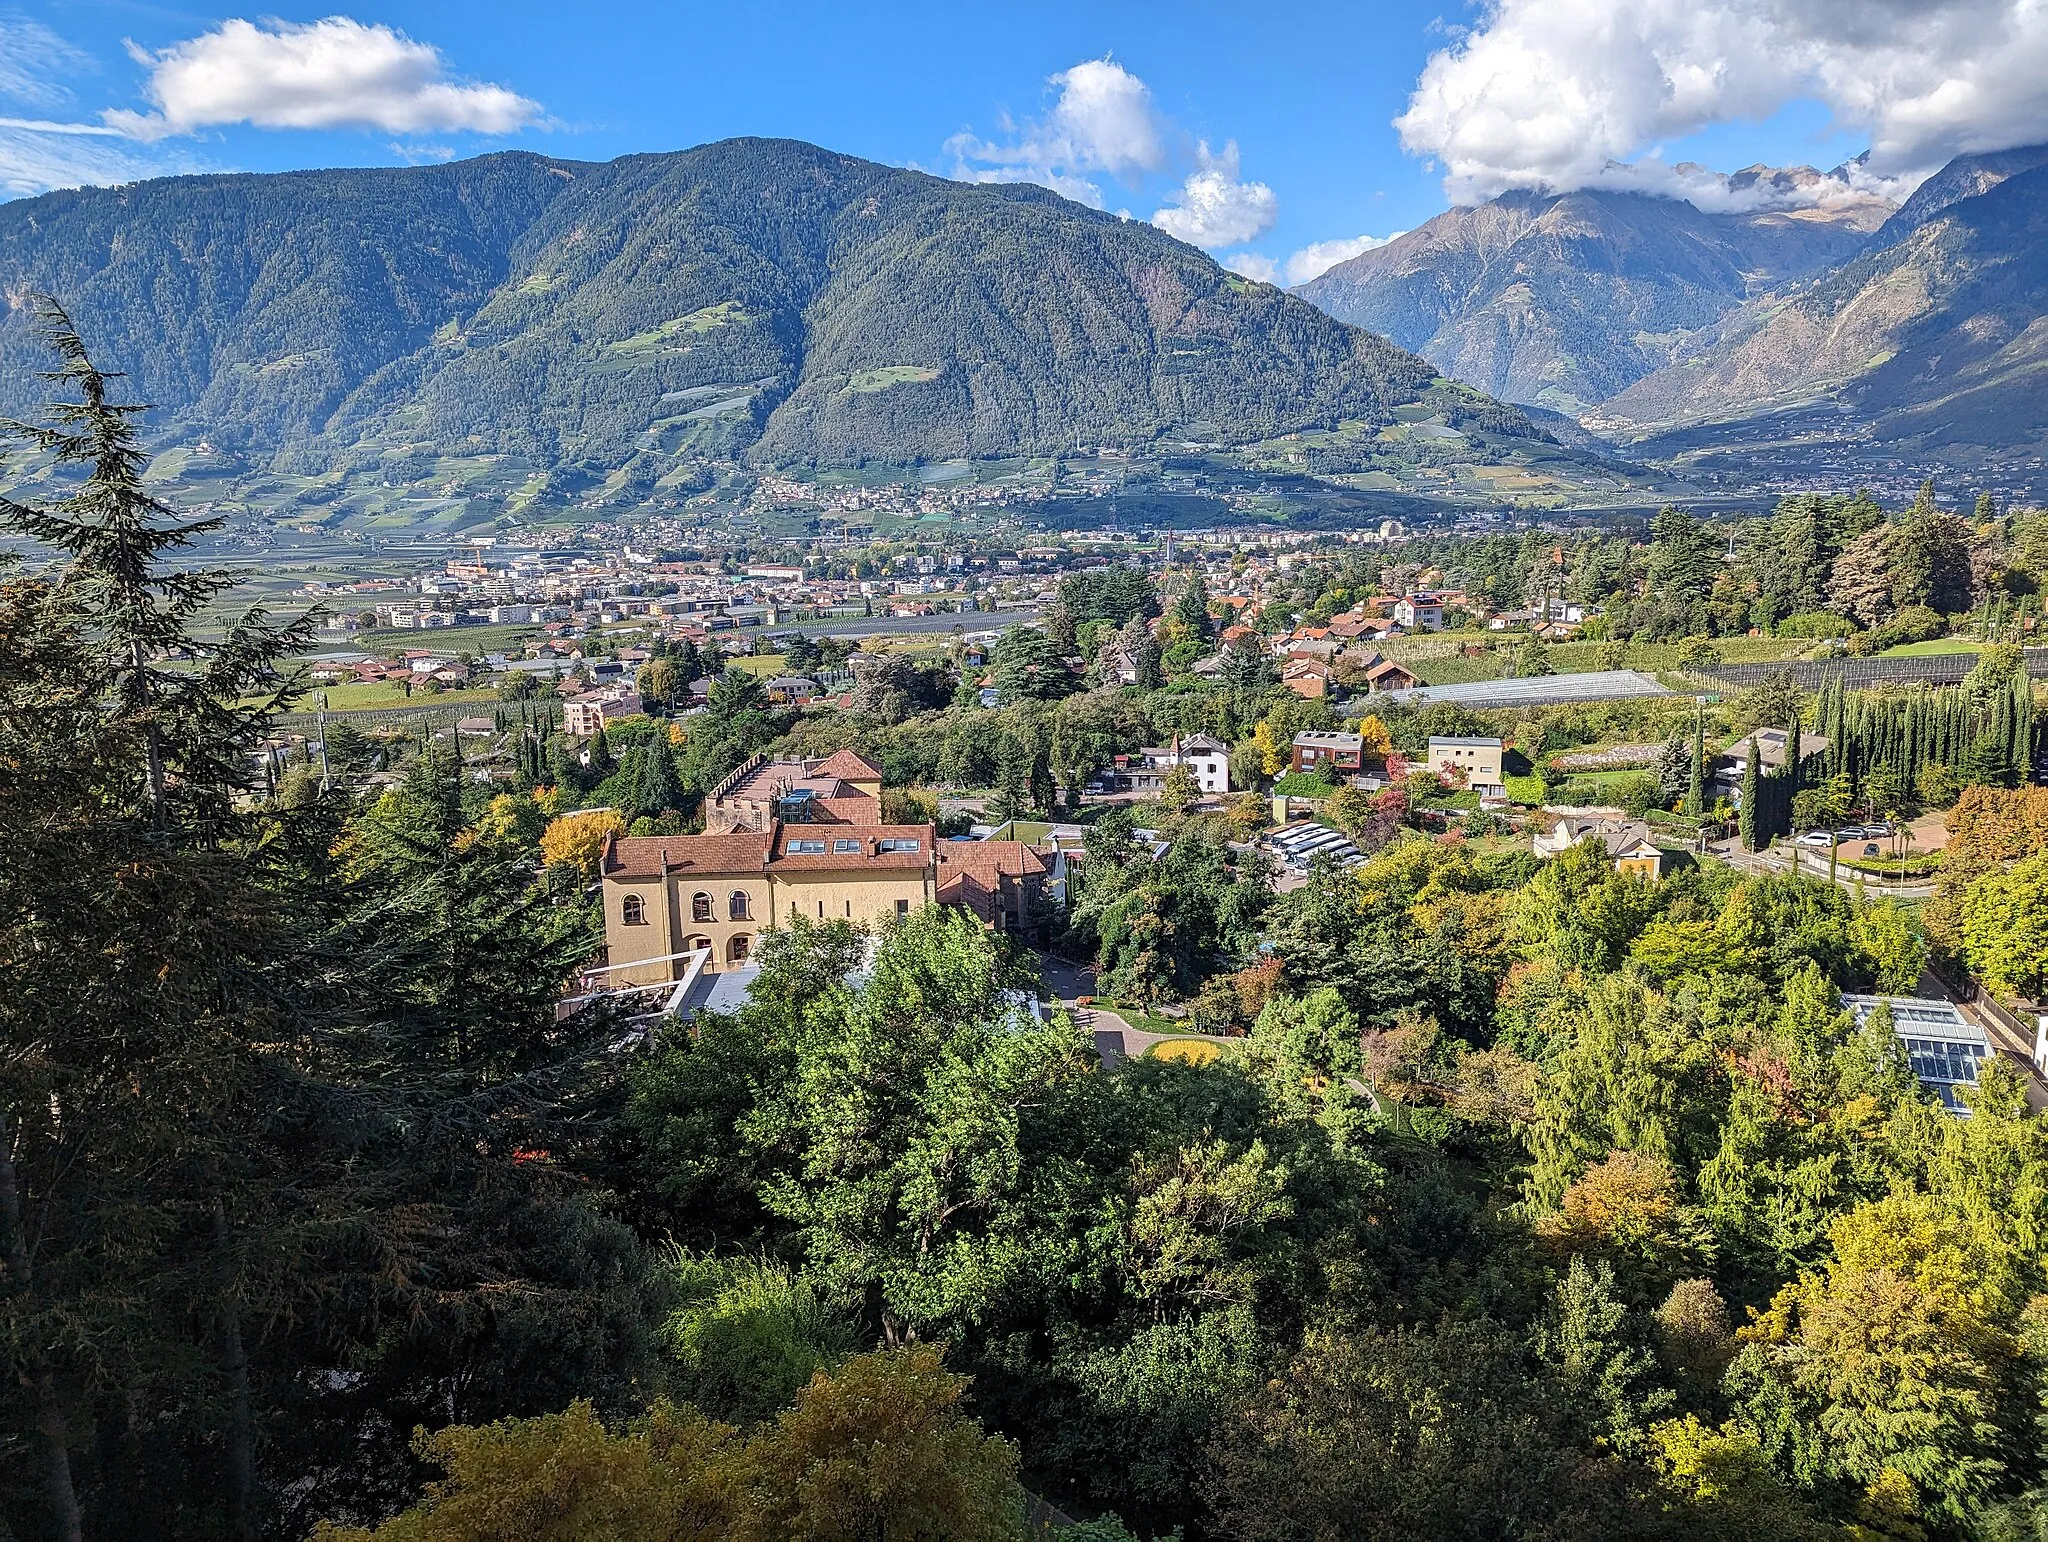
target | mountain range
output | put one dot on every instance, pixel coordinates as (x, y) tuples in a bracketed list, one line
[(1931, 341), (758, 298), (1562, 300), (1805, 315)]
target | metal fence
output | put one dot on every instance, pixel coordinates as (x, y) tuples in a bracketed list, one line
[(1861, 674)]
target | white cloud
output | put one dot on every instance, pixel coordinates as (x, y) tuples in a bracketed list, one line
[(1101, 121), (40, 153), (36, 158), (336, 73), (1252, 265), (1215, 208), (1312, 261), (1548, 93), (1746, 192), (1318, 257), (31, 57)]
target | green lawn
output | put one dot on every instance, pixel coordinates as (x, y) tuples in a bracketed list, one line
[(1939, 646), (376, 694)]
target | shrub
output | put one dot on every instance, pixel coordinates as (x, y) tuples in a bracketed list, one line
[(1816, 624), (1304, 784)]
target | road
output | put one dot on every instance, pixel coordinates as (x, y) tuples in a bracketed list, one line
[(904, 626), (1814, 865)]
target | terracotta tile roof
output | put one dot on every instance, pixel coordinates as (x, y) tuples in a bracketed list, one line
[(640, 856), (849, 766), (853, 809), (971, 873), (870, 855), (988, 860)]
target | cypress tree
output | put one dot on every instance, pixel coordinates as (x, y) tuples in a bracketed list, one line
[(1695, 787), (1746, 815)]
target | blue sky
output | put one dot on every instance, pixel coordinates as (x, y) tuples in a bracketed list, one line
[(1257, 133)]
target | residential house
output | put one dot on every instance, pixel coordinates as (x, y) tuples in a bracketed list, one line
[(1420, 612), (1773, 747), (584, 715), (1002, 883), (1339, 754), (791, 690), (1627, 841), (1207, 758), (1309, 678), (1386, 675), (1479, 761)]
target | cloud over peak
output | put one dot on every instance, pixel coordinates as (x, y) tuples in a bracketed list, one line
[(335, 73), (1549, 94), (1101, 120), (1214, 208)]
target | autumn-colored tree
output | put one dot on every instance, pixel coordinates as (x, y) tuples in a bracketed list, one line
[(566, 1478), (1628, 1208), (878, 1450), (578, 839), (1272, 753), (1378, 743)]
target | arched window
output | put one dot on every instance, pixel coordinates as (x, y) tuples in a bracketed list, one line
[(736, 906), (699, 944), (736, 950), (700, 907), (633, 910)]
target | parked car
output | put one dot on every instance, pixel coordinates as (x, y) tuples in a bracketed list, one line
[(1816, 838)]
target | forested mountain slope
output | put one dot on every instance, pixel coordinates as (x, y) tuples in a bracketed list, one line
[(1560, 301), (759, 296), (1936, 339)]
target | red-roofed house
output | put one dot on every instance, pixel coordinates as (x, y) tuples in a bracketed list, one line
[(666, 897)]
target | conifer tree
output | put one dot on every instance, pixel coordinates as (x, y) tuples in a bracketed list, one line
[(1695, 787), (1747, 815)]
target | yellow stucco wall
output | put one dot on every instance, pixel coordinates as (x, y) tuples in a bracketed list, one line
[(671, 924)]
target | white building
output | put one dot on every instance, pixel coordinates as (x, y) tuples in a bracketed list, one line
[(1208, 758), (1420, 612)]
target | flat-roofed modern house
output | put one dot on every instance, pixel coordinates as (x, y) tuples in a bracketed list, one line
[(1339, 754), (1478, 759), (1945, 1049)]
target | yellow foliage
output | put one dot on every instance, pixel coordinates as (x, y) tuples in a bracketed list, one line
[(1186, 1051), (564, 1477), (877, 1448), (1272, 753), (1707, 1463), (1625, 1199), (1379, 744), (579, 838)]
